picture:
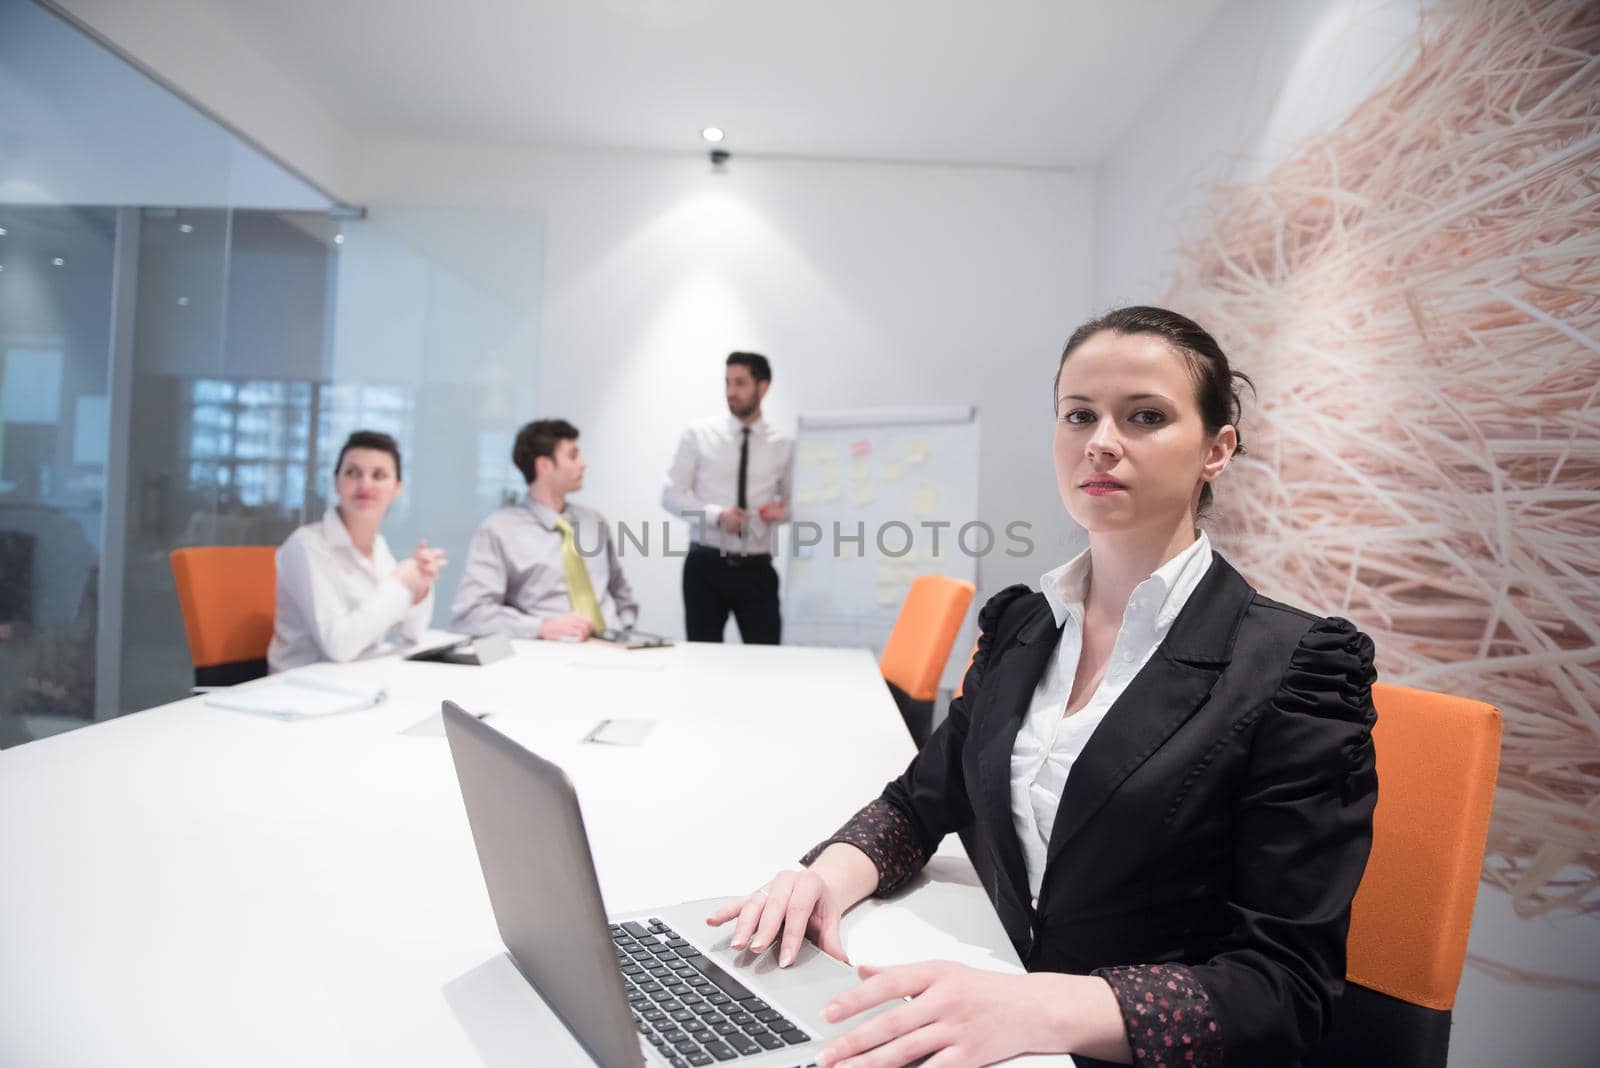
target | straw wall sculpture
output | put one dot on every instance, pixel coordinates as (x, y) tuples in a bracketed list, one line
[(1417, 295)]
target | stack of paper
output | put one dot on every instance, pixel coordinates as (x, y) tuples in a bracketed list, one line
[(296, 697)]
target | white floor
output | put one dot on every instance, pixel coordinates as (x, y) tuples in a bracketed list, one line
[(1503, 1023)]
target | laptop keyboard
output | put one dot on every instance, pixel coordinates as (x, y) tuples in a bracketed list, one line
[(688, 1007)]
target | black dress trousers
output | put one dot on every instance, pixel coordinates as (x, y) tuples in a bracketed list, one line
[(747, 586)]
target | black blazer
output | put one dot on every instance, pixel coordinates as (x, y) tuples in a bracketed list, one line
[(1217, 822)]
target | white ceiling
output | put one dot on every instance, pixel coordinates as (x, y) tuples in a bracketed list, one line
[(1047, 83)]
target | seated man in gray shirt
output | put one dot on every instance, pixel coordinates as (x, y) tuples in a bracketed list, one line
[(542, 568)]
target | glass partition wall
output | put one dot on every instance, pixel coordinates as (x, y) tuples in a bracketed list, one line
[(229, 357), (188, 331), (56, 266)]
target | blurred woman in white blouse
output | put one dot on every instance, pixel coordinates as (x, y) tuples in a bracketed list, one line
[(341, 595)]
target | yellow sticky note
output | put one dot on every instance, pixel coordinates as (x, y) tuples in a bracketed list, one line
[(814, 453), (925, 500), (864, 494), (806, 497), (829, 492), (799, 569), (889, 594), (893, 469), (916, 450), (859, 469)]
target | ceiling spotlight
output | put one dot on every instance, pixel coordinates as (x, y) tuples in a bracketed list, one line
[(185, 228), (3, 231), (713, 134), (338, 239), (59, 262), (183, 302), (2, 266)]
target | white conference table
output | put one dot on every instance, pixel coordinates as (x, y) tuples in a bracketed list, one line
[(189, 885)]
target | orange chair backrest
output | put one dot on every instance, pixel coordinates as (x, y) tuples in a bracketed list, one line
[(1437, 759), (923, 633), (228, 595)]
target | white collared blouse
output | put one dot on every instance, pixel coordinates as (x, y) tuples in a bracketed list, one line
[(335, 603), (1048, 743)]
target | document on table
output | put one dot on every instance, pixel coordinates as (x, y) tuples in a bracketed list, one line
[(297, 697)]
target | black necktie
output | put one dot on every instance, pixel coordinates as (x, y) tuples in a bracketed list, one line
[(744, 464)]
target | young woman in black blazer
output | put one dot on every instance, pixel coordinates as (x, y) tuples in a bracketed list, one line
[(1167, 778)]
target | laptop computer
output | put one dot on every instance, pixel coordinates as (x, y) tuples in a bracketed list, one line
[(654, 988)]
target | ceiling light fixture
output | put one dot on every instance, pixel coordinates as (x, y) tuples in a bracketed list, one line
[(185, 228), (713, 134), (59, 262), (338, 239), (3, 231)]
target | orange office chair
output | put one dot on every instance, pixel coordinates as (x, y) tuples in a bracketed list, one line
[(228, 594), (1437, 758), (920, 644)]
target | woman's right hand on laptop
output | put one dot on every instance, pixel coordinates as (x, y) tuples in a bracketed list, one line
[(802, 903)]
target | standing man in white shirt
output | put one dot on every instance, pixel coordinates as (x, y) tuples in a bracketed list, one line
[(543, 567), (730, 479)]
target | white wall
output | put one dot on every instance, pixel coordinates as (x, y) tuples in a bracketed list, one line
[(866, 284), (1265, 74)]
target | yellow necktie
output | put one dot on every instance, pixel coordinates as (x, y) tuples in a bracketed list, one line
[(579, 589)]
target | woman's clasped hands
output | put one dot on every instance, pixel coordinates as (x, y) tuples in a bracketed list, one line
[(419, 571)]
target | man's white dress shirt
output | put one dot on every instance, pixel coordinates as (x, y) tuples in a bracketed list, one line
[(704, 480)]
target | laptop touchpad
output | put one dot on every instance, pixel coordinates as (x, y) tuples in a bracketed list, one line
[(804, 988)]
